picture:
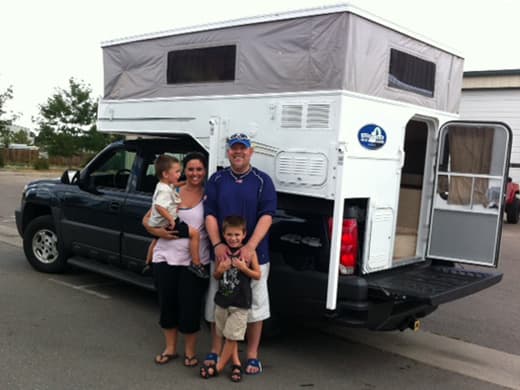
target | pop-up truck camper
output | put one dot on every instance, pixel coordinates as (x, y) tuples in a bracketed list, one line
[(385, 198), (387, 203)]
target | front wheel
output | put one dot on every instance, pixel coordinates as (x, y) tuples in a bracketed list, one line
[(513, 211), (42, 246)]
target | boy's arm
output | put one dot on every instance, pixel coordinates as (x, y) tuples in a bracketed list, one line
[(157, 232), (253, 270), (165, 214), (222, 266)]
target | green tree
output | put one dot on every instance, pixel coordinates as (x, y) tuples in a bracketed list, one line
[(67, 122), (20, 137), (6, 119)]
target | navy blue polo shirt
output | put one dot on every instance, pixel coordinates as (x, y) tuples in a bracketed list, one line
[(251, 196)]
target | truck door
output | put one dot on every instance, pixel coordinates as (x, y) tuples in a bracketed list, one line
[(91, 220), (468, 200)]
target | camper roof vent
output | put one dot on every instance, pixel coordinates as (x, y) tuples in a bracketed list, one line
[(303, 168), (318, 116), (292, 116)]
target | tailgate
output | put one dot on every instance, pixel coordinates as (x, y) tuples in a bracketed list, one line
[(428, 283)]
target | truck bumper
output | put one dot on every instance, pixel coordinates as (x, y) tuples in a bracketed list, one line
[(387, 300), (19, 225)]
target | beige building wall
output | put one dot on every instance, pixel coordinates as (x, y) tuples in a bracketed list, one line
[(498, 81)]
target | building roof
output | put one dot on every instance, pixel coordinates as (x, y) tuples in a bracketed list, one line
[(492, 79)]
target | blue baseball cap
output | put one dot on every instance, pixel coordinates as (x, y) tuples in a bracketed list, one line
[(239, 138)]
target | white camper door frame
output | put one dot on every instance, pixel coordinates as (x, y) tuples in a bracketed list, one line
[(468, 194), (337, 227), (214, 141)]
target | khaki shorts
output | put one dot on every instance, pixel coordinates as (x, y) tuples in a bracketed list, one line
[(231, 322), (260, 309)]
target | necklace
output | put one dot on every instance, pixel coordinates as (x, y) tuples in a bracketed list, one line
[(239, 178)]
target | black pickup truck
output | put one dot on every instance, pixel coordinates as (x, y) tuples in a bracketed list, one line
[(92, 219)]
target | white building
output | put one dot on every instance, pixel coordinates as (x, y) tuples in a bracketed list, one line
[(495, 95)]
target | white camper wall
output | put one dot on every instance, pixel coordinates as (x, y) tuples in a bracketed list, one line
[(294, 135)]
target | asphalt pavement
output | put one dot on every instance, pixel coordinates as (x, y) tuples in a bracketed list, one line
[(79, 330)]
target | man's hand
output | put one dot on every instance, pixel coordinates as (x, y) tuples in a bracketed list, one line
[(246, 253), (221, 252)]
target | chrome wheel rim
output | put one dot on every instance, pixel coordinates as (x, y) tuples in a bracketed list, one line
[(45, 246)]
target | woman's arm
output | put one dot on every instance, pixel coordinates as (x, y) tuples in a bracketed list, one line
[(157, 231)]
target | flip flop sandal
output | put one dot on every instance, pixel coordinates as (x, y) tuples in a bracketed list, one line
[(208, 371), (190, 361), (164, 358), (254, 363), (236, 373)]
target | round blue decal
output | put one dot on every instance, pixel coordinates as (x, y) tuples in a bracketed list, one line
[(372, 137)]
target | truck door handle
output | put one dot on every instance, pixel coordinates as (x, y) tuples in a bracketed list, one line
[(114, 206)]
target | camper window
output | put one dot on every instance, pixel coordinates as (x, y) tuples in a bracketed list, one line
[(469, 171), (202, 65), (411, 73)]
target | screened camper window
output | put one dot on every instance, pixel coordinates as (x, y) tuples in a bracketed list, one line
[(411, 73), (208, 64)]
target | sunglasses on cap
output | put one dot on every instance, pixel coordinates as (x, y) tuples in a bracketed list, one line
[(239, 138)]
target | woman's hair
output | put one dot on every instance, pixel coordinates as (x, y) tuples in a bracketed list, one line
[(195, 156), (163, 163), (234, 221)]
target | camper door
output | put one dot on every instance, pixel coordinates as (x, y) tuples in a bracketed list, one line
[(468, 199)]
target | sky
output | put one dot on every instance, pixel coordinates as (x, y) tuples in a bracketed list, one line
[(45, 43)]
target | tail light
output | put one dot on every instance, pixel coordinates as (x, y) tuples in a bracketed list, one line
[(349, 245)]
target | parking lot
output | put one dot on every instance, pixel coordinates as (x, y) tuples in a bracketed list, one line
[(83, 331)]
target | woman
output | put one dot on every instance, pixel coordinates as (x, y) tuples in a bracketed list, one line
[(180, 292)]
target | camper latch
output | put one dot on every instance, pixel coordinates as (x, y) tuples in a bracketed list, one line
[(341, 153)]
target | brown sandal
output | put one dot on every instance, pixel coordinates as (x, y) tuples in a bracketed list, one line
[(164, 358), (190, 361)]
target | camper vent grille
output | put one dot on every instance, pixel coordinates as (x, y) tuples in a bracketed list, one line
[(301, 168), (292, 116), (318, 116)]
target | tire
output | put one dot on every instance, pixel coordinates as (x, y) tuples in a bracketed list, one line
[(512, 211), (42, 246)]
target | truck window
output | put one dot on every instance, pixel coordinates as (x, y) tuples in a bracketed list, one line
[(115, 171), (148, 179), (469, 168)]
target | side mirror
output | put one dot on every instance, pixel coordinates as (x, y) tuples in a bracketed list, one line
[(85, 183), (70, 176)]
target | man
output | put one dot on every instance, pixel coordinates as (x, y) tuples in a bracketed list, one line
[(246, 191)]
